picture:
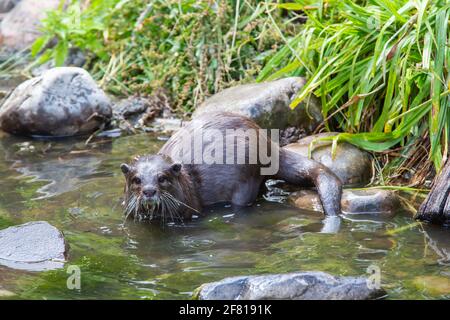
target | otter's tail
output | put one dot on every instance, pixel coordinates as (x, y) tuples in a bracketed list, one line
[(300, 170)]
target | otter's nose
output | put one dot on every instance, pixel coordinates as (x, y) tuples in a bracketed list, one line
[(150, 192)]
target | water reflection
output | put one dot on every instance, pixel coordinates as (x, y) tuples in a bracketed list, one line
[(77, 187), (62, 166), (438, 240)]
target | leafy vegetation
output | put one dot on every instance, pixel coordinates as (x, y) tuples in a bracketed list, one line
[(381, 69), (191, 48)]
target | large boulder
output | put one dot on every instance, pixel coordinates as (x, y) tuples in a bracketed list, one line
[(291, 286), (378, 202), (20, 27), (61, 102), (351, 164), (267, 104), (33, 246)]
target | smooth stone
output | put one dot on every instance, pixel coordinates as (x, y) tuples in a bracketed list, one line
[(379, 202), (351, 164), (61, 102), (7, 5), (33, 246), (20, 26), (267, 104), (292, 286)]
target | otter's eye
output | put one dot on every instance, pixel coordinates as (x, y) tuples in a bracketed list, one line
[(136, 180), (162, 179)]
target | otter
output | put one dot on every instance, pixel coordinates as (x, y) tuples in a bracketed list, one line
[(172, 185)]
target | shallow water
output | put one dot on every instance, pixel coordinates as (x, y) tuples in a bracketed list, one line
[(78, 189)]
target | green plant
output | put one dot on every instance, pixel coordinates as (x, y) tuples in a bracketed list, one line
[(190, 48), (381, 70), (73, 26)]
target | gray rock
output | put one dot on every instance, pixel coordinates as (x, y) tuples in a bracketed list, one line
[(144, 113), (351, 164), (33, 246), (267, 104), (20, 27), (291, 286), (167, 125), (379, 202), (61, 102), (7, 5)]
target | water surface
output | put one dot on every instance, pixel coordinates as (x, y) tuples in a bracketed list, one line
[(78, 188)]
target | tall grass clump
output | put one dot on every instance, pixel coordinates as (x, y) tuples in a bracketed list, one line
[(191, 48), (381, 70)]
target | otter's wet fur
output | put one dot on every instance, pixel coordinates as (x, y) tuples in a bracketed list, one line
[(163, 186)]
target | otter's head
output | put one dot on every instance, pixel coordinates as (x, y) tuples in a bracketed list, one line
[(153, 188)]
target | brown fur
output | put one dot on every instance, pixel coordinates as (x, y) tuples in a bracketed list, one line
[(201, 185)]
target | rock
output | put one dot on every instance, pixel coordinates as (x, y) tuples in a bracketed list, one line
[(267, 104), (291, 135), (140, 112), (20, 27), (351, 164), (167, 125), (291, 286), (7, 5), (130, 107), (380, 202), (133, 113), (61, 102), (6, 294), (33, 246)]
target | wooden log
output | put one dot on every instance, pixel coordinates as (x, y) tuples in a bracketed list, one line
[(436, 207)]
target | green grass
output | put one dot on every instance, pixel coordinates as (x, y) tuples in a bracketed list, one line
[(381, 70), (380, 67), (190, 48)]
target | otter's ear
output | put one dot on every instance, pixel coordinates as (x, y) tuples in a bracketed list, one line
[(125, 168), (176, 168)]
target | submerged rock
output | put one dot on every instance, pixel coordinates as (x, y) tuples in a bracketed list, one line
[(291, 286), (267, 104), (20, 26), (33, 246), (351, 164), (61, 102), (380, 202)]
